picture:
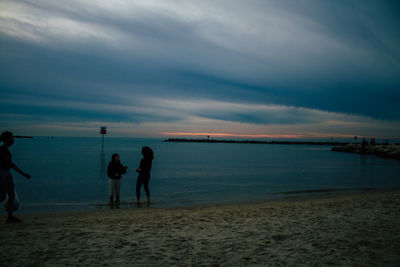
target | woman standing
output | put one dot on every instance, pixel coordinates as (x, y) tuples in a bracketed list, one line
[(114, 172), (144, 173), (7, 185)]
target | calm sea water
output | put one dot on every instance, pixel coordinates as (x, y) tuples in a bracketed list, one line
[(70, 173)]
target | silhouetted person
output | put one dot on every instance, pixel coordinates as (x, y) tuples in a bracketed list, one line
[(7, 185), (114, 172), (364, 145), (144, 173), (373, 141)]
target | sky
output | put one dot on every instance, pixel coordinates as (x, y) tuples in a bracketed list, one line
[(223, 68)]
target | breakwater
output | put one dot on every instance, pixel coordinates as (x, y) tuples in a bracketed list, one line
[(384, 150), (254, 142)]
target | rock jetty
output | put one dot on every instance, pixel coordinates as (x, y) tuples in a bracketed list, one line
[(183, 140), (381, 150)]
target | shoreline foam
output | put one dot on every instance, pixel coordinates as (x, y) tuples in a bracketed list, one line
[(40, 208)]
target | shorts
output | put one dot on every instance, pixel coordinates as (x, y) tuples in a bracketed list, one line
[(7, 190), (5, 178), (115, 185)]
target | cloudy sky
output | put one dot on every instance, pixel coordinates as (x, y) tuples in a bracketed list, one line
[(244, 69)]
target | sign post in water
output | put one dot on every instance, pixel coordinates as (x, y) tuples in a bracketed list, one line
[(103, 131)]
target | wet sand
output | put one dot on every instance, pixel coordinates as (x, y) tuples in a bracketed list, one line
[(360, 229)]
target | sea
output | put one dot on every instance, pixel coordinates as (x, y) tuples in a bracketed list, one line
[(69, 173)]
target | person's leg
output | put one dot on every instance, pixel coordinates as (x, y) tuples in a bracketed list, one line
[(3, 185), (117, 200), (117, 189), (111, 202), (111, 182), (146, 181), (10, 204), (138, 185), (11, 199)]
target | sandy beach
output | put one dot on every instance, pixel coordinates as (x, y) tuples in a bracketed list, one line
[(361, 229)]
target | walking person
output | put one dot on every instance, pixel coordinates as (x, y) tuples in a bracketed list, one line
[(7, 185), (144, 173), (114, 172)]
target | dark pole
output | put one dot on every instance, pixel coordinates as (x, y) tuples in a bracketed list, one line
[(102, 144), (103, 131)]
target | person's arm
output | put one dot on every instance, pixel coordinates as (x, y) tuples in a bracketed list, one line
[(110, 171), (123, 169), (139, 169), (15, 167)]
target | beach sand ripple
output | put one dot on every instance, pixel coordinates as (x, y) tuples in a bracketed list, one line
[(361, 229)]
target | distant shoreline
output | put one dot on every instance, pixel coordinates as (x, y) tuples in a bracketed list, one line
[(184, 140)]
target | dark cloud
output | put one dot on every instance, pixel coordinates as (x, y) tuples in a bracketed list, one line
[(339, 57)]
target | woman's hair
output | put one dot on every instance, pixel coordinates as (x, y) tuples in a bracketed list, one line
[(114, 157), (5, 135), (147, 152)]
